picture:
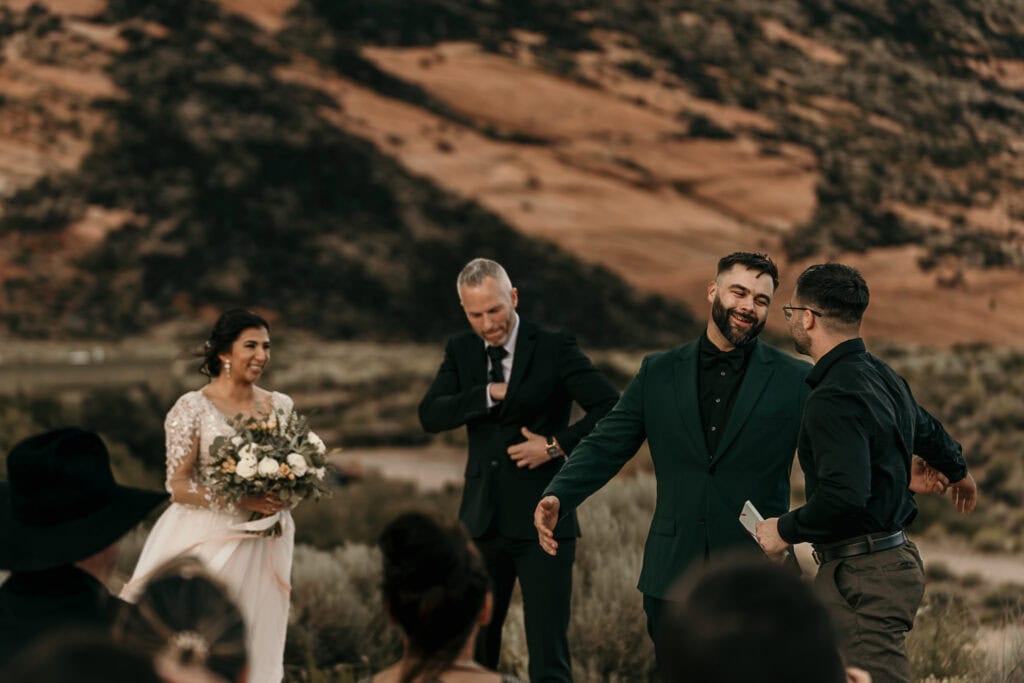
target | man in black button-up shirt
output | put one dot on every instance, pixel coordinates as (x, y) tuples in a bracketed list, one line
[(860, 430)]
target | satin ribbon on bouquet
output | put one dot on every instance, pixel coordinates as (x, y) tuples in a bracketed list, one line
[(260, 526), (251, 529)]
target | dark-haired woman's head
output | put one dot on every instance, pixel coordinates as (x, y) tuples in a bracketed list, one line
[(184, 615), (229, 329), (435, 587), (744, 605)]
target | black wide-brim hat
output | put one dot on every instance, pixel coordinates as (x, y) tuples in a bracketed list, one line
[(60, 503)]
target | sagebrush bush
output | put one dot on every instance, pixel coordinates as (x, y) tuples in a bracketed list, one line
[(338, 622), (943, 643), (337, 617), (358, 511)]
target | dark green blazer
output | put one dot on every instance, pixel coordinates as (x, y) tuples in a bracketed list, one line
[(548, 373), (700, 494)]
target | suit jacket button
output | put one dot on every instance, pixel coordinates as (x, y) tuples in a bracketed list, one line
[(494, 463)]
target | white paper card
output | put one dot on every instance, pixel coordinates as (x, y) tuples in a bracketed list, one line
[(749, 517)]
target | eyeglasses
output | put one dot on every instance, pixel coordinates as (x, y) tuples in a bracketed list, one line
[(788, 311)]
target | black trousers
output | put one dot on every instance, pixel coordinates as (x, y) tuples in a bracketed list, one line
[(654, 608), (546, 583)]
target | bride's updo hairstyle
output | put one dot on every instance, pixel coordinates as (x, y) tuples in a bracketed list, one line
[(226, 330), (435, 585), (184, 616)]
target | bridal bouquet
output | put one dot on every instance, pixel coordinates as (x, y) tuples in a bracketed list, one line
[(279, 455)]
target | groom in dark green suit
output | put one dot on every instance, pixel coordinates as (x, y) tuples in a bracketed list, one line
[(721, 415), (512, 385)]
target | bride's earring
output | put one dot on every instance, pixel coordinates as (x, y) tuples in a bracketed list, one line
[(227, 368)]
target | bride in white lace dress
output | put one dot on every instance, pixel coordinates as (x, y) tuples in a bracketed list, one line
[(256, 569)]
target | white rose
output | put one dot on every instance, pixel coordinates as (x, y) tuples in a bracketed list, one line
[(319, 472), (298, 464), (246, 452), (237, 441), (269, 467), (317, 442), (246, 469)]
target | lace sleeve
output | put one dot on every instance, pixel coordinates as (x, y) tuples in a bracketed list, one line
[(283, 404), (183, 477)]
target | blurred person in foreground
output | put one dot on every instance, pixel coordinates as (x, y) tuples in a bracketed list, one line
[(748, 620), (512, 385), (62, 516), (437, 591), (186, 623), (861, 428), (81, 657)]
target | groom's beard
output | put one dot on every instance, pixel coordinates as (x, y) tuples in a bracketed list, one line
[(723, 320)]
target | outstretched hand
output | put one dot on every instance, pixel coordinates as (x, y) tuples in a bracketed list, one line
[(545, 517), (926, 479)]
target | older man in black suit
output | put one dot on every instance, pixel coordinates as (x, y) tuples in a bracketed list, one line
[(512, 384)]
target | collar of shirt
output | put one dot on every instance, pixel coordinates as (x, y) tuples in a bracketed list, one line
[(509, 345), (826, 362), (711, 355)]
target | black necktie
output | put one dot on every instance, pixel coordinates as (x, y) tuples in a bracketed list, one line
[(497, 373)]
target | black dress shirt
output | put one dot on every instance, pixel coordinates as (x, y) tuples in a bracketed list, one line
[(860, 427), (721, 373)]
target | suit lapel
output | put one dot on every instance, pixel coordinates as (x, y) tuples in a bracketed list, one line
[(686, 396), (526, 342), (755, 381)]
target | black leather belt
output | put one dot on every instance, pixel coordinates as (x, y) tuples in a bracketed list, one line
[(859, 545)]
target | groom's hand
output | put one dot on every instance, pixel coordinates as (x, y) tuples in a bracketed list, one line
[(531, 453), (545, 517)]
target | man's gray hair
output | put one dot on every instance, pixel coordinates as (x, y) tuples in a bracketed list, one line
[(477, 270)]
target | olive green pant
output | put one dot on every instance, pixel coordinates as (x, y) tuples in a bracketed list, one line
[(873, 600)]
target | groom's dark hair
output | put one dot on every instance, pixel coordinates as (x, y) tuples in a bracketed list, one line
[(757, 262), (747, 620)]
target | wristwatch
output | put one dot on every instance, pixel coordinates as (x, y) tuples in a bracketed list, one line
[(552, 448)]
